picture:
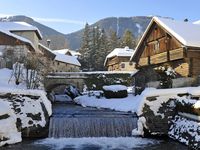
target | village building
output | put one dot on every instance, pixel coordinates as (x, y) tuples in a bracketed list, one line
[(65, 62), (68, 52), (17, 40), (168, 43), (119, 60)]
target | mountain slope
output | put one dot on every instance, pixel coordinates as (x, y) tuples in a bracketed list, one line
[(136, 25), (58, 40)]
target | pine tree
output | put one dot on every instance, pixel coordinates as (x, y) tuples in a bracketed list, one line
[(113, 41), (102, 51), (94, 48), (85, 46), (128, 40)]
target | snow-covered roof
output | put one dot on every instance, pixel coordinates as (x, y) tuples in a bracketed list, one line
[(120, 52), (186, 32), (61, 51), (7, 32), (64, 51), (67, 59), (19, 26)]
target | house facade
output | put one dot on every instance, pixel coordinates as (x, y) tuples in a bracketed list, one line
[(17, 40), (168, 43), (65, 62), (119, 60)]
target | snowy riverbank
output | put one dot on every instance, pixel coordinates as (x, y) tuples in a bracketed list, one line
[(23, 112)]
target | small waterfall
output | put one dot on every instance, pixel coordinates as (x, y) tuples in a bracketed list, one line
[(115, 125)]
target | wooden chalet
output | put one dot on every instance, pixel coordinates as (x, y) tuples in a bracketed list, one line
[(167, 42), (119, 60)]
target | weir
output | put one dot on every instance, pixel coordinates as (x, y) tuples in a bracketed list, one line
[(75, 121)]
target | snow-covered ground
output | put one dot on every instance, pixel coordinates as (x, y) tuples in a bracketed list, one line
[(129, 103), (135, 103), (8, 81)]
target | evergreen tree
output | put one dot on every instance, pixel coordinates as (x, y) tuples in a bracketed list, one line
[(128, 40), (113, 41), (102, 51), (94, 49), (85, 47)]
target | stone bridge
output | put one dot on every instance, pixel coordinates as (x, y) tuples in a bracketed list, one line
[(64, 78), (75, 78)]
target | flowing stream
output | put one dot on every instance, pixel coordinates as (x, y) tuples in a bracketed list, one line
[(74, 121), (76, 128)]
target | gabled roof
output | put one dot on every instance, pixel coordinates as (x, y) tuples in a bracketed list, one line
[(120, 52), (185, 32), (61, 51), (65, 51), (67, 59), (19, 26), (22, 39)]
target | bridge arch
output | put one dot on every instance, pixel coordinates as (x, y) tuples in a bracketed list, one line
[(52, 83)]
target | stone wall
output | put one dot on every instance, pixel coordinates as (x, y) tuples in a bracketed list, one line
[(31, 113), (157, 122), (10, 54), (58, 66)]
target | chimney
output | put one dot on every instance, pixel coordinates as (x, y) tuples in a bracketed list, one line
[(48, 43)]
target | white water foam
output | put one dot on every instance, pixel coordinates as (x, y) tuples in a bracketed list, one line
[(102, 143)]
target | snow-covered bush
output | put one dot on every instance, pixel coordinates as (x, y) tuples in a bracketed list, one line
[(115, 91), (166, 74)]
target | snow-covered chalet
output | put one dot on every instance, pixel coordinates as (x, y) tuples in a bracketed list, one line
[(170, 43), (119, 60)]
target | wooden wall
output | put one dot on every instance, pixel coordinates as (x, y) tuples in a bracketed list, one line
[(159, 47), (194, 59), (114, 63)]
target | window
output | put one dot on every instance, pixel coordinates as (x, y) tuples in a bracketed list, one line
[(58, 63), (122, 65), (130, 63), (156, 47)]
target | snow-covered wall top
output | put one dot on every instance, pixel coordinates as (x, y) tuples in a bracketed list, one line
[(115, 88), (19, 26)]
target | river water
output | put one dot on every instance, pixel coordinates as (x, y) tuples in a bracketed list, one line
[(122, 143), (71, 126)]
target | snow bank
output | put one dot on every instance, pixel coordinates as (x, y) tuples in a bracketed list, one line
[(129, 103), (8, 130), (155, 99), (163, 95), (186, 131), (40, 93)]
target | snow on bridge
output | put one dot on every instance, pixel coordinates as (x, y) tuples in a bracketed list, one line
[(75, 78)]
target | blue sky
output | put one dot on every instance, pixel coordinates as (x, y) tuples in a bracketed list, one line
[(70, 15)]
